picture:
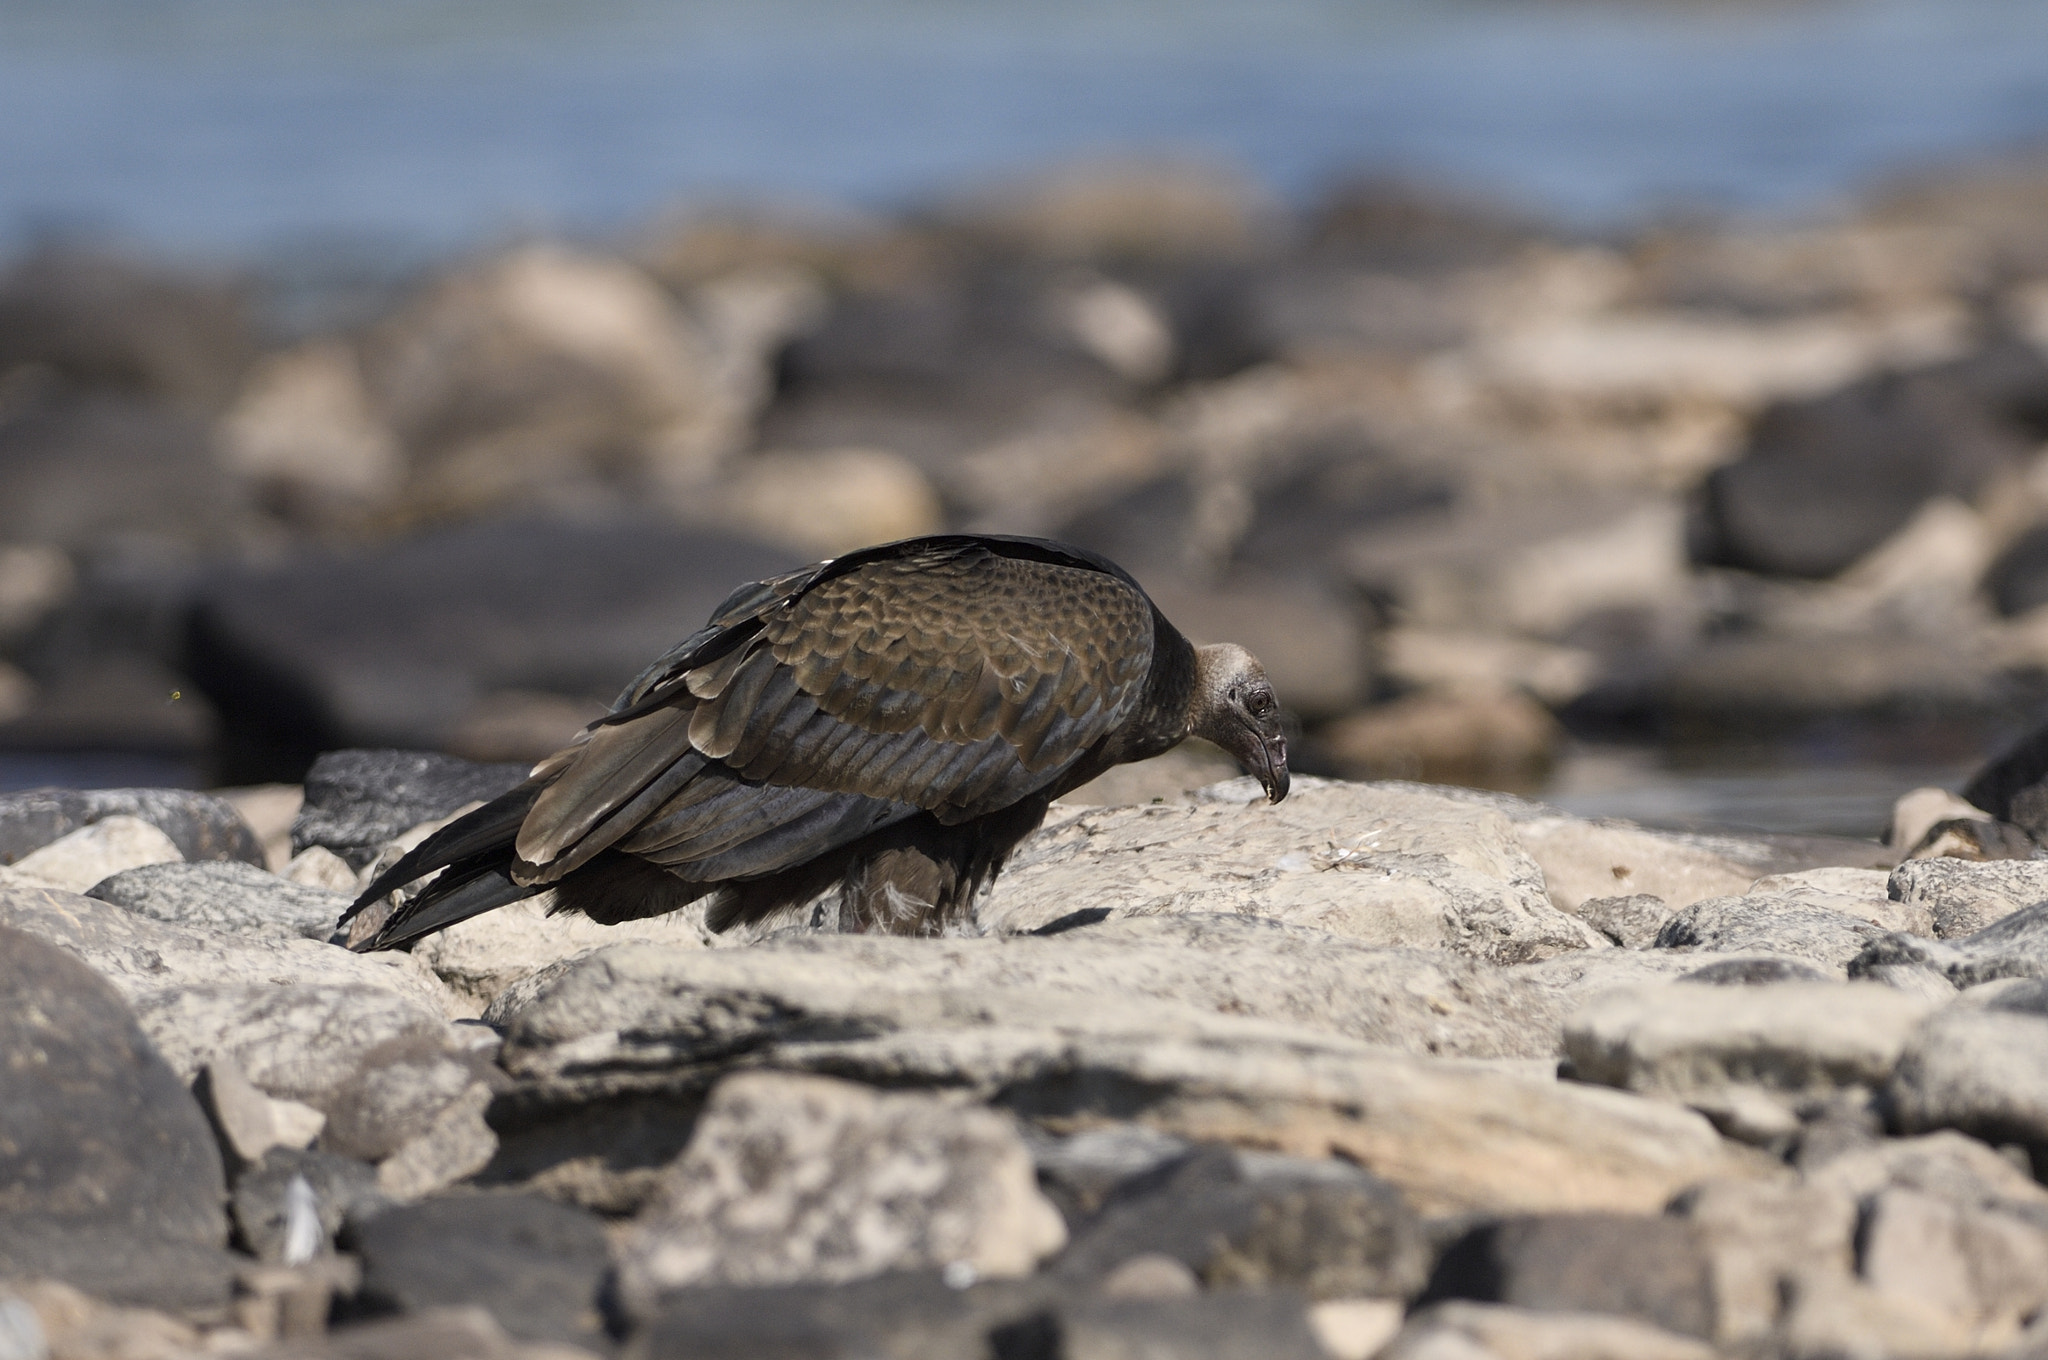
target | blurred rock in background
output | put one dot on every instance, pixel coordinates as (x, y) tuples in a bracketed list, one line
[(1472, 485)]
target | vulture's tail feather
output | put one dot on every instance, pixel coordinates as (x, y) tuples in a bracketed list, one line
[(484, 832), (464, 891)]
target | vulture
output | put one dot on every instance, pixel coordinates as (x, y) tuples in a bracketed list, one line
[(889, 724)]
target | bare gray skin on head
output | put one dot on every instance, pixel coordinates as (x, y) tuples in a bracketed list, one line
[(1233, 706)]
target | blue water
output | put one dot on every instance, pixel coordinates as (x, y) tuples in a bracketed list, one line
[(225, 127)]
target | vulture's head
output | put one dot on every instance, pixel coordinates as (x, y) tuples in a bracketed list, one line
[(1235, 708)]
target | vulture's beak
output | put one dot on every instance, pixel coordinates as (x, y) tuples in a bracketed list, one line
[(1264, 757)]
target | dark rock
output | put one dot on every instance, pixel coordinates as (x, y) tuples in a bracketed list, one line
[(442, 1334), (1079, 1173), (534, 1264), (1757, 972), (1825, 479), (229, 898), (1737, 924), (1326, 1228), (358, 800), (109, 1175), (400, 645), (1975, 839), (908, 1315), (2014, 947), (1654, 1269), (201, 826), (605, 1155), (1393, 224), (1234, 1326), (340, 1186), (2018, 580), (105, 322), (2013, 787)]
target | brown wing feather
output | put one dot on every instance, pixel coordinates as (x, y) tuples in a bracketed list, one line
[(956, 680)]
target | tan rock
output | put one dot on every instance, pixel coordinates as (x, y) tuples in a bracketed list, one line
[(826, 502), (1485, 1331), (1582, 859), (457, 1145), (1761, 1238), (1487, 739), (484, 955), (80, 860)]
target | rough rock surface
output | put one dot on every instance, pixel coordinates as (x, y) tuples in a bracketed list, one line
[(228, 898), (1388, 867), (793, 1178), (108, 1172), (78, 860), (1962, 898), (1778, 922), (358, 800), (2014, 946), (201, 826)]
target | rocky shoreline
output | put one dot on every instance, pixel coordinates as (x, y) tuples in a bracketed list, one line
[(1385, 1070)]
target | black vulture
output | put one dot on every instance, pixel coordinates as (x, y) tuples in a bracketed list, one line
[(890, 723)]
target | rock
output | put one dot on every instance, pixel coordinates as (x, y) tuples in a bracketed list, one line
[(1962, 898), (1753, 970), (2013, 786), (397, 1087), (152, 964), (1078, 1173), (357, 801), (1631, 922), (109, 1177), (268, 810), (202, 827), (825, 502), (228, 898), (1863, 893), (1831, 1316), (444, 1333), (533, 1264), (1653, 1269), (481, 957), (1165, 1004), (1389, 867), (1761, 1239), (1478, 1331), (1118, 209), (1238, 1221), (1825, 479), (335, 1187), (93, 853), (100, 319), (1237, 1326), (905, 1313), (304, 430), (300, 1042), (249, 1123), (45, 1320), (400, 644), (1768, 921), (1974, 838), (2018, 581), (1982, 1071), (2011, 946), (1582, 860), (1984, 1271), (318, 867), (1750, 1059), (1151, 1275), (1171, 778), (1487, 739), (454, 1147), (1355, 1329), (1916, 813), (792, 1178)]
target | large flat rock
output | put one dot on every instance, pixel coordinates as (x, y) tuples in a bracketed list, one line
[(1387, 866)]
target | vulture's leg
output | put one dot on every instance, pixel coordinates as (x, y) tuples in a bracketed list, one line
[(920, 877)]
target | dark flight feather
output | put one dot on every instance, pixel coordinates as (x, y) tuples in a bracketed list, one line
[(892, 721)]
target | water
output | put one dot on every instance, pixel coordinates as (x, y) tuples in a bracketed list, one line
[(235, 127)]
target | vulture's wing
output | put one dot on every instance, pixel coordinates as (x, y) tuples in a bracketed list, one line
[(953, 675)]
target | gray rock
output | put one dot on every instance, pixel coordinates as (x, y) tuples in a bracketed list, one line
[(971, 1015), (108, 1170), (1326, 1229), (1762, 1238), (1964, 897), (145, 958), (392, 1096), (1653, 1269), (1753, 970), (1234, 1326), (456, 1145), (229, 898), (1631, 922), (356, 801), (1385, 865), (1751, 1060), (1079, 1172), (443, 1333), (1774, 923), (535, 1265), (300, 1042), (1584, 860), (1470, 1331), (2015, 946), (904, 1315), (1984, 1272), (340, 1186), (402, 644), (77, 861), (1982, 1071), (791, 1178), (247, 1122), (202, 826)]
